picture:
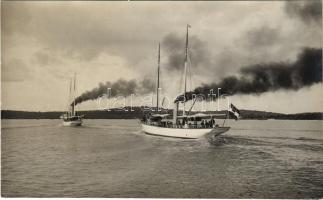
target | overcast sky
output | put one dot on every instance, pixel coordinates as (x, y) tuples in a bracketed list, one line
[(44, 43)]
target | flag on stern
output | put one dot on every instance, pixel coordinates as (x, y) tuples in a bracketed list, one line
[(234, 112)]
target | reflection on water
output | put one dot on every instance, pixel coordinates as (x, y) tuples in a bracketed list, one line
[(113, 158)]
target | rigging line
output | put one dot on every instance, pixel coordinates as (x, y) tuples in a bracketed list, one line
[(190, 72), (158, 75), (190, 79), (191, 69), (74, 93), (69, 96), (181, 85)]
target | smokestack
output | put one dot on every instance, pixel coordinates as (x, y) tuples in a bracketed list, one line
[(175, 114), (72, 110)]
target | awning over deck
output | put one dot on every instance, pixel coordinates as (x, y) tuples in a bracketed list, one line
[(202, 115)]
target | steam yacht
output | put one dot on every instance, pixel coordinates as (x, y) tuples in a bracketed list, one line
[(186, 124), (70, 118)]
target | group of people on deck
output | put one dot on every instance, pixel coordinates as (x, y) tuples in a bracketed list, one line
[(181, 123), (202, 123), (208, 123)]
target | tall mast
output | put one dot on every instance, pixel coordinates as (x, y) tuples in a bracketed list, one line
[(185, 66), (158, 71), (69, 99), (74, 94)]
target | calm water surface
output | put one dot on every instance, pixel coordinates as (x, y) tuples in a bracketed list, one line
[(113, 158)]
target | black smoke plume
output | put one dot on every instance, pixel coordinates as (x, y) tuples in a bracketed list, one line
[(308, 11), (120, 87), (256, 79)]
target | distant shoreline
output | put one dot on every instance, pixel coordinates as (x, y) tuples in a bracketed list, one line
[(138, 113)]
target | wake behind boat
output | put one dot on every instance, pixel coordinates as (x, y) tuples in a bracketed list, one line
[(70, 118), (187, 125)]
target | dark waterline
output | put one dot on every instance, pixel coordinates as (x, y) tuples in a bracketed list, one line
[(113, 158)]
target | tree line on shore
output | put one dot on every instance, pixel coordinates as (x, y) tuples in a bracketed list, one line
[(137, 113)]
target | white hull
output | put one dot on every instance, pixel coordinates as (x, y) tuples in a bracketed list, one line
[(184, 132), (72, 123)]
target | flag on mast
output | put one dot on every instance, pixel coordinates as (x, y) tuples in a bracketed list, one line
[(234, 112)]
